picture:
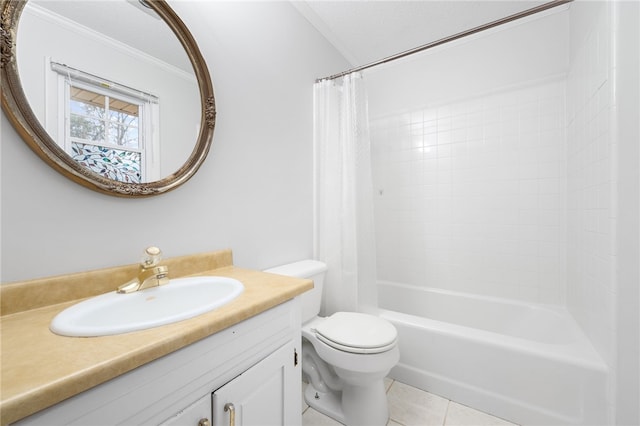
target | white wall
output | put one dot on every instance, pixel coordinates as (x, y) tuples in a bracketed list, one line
[(591, 181), (253, 194), (603, 208), (469, 163), (627, 70), (627, 104), (508, 56)]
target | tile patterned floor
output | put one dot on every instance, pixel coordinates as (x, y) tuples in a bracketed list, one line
[(409, 406)]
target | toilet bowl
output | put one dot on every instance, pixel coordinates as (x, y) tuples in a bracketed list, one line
[(346, 376), (345, 356)]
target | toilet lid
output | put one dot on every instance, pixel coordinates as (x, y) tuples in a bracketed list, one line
[(357, 333)]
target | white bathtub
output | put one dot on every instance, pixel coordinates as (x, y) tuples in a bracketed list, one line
[(530, 364)]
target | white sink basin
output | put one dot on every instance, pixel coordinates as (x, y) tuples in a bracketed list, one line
[(115, 313)]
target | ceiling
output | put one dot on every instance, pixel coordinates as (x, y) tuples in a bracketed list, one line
[(366, 31)]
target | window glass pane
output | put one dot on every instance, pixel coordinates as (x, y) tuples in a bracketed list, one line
[(126, 136), (105, 134), (116, 164), (123, 123), (123, 107), (87, 102), (89, 110), (123, 118), (86, 128)]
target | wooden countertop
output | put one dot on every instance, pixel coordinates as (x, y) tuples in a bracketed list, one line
[(40, 368)]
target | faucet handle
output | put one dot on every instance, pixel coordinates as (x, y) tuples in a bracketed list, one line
[(152, 256)]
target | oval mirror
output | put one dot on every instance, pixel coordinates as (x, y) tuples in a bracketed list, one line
[(113, 94)]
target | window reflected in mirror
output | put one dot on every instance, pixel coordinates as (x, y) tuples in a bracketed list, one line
[(105, 135), (106, 125)]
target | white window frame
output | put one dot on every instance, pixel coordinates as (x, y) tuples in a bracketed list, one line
[(148, 116)]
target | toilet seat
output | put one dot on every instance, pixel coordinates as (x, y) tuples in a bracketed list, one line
[(357, 333)]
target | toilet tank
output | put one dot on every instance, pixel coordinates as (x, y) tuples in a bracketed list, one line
[(310, 269)]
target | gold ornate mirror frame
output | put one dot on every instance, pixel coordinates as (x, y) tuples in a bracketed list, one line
[(17, 109)]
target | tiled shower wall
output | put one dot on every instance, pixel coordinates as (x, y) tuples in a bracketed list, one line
[(470, 195), (511, 193), (591, 165)]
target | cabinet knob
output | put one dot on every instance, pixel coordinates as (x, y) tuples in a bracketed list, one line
[(204, 422), (232, 413)]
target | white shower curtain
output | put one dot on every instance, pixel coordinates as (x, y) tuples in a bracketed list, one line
[(344, 227)]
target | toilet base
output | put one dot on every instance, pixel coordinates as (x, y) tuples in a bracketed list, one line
[(327, 403), (367, 405)]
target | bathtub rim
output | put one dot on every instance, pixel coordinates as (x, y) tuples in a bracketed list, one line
[(581, 353), (484, 297)]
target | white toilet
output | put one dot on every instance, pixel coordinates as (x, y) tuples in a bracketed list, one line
[(345, 356)]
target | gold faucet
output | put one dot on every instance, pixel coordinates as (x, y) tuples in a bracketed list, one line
[(151, 274)]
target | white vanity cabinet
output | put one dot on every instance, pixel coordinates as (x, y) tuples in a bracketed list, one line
[(253, 365), (261, 396), (197, 414)]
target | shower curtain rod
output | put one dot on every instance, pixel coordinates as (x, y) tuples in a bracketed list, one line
[(524, 13)]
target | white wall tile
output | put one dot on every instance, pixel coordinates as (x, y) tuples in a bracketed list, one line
[(590, 165), (497, 193)]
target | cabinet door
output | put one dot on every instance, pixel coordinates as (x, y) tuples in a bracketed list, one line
[(267, 394), (197, 414)]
